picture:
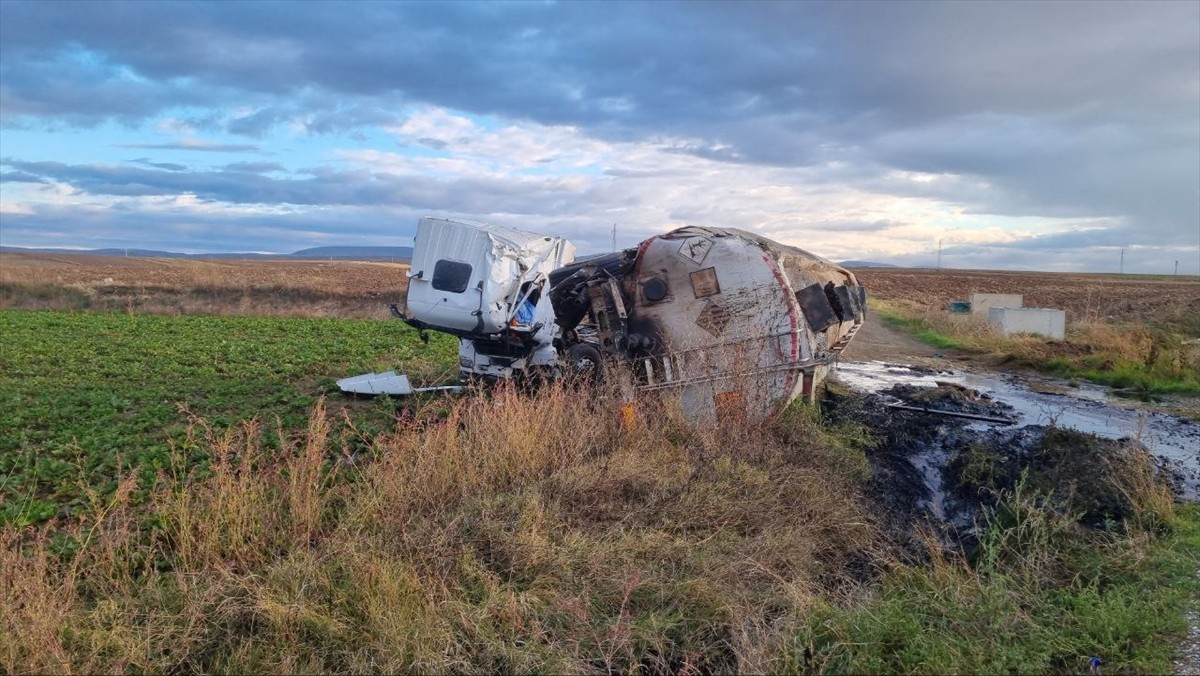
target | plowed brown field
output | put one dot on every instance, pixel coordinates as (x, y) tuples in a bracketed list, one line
[(1085, 297), (349, 288), (216, 286)]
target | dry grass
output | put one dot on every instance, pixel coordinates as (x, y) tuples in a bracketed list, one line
[(1128, 355), (514, 533), (1128, 343), (505, 533)]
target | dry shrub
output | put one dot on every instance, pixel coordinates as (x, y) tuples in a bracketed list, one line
[(1137, 479), (492, 533), (1127, 343), (36, 601)]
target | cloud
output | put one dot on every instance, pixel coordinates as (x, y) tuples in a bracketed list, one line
[(356, 187), (169, 166), (182, 227), (1158, 260), (254, 167), (192, 144), (497, 174), (20, 177), (811, 121)]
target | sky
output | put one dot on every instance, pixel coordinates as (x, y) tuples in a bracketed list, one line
[(1012, 135)]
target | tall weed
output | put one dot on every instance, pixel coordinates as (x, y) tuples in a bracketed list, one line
[(494, 533), (512, 532)]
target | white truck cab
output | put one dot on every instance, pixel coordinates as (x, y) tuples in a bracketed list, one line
[(487, 284)]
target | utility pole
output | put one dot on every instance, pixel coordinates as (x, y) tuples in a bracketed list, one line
[(1121, 270)]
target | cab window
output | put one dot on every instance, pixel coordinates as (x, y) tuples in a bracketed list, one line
[(451, 276)]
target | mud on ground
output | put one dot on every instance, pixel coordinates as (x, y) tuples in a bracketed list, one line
[(943, 472)]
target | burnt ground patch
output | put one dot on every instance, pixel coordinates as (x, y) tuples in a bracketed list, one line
[(939, 472)]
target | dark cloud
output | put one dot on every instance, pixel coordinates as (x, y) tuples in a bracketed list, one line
[(639, 61), (847, 67), (256, 124), (178, 230), (436, 144), (1159, 260), (254, 167), (321, 188), (1066, 109), (63, 83), (20, 177), (169, 166), (854, 226), (1074, 240), (128, 224)]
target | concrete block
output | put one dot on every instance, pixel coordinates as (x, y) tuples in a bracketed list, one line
[(981, 303), (1042, 321)]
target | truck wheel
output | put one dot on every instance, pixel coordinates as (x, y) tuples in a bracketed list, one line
[(583, 362)]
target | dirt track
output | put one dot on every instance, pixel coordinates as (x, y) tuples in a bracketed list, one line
[(876, 341)]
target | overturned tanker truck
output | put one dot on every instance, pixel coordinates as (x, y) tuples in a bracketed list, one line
[(723, 321)]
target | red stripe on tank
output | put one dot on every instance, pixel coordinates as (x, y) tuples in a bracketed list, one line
[(794, 325)]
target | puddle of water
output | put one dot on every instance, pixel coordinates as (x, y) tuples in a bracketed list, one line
[(930, 462), (1055, 403)]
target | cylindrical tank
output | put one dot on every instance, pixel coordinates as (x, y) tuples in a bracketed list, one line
[(734, 324)]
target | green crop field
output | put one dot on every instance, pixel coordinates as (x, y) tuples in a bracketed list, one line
[(85, 396)]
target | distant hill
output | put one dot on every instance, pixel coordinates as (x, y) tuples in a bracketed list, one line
[(865, 264), (357, 253), (140, 253)]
